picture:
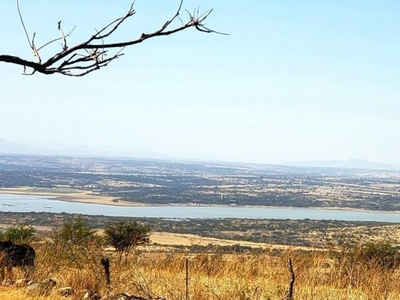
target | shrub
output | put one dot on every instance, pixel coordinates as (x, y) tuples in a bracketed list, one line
[(382, 252), (374, 253), (74, 232), (21, 233), (124, 236), (75, 245)]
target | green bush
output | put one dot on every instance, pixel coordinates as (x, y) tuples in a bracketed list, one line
[(124, 236), (21, 233), (74, 244), (74, 232)]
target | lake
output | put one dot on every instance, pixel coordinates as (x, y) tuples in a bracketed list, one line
[(33, 203)]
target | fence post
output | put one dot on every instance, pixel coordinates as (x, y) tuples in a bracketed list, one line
[(187, 278), (289, 295)]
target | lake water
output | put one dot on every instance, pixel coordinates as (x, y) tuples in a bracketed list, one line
[(30, 203)]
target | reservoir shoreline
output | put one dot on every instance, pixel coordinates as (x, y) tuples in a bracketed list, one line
[(88, 197), (41, 201)]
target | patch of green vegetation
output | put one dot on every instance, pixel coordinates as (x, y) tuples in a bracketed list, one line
[(313, 233)]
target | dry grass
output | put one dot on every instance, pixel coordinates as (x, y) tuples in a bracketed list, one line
[(211, 275)]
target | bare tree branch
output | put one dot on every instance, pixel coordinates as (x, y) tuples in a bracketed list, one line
[(57, 39), (93, 54)]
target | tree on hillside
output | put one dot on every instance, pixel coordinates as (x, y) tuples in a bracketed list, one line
[(93, 53)]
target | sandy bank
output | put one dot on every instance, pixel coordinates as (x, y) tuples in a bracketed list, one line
[(70, 195)]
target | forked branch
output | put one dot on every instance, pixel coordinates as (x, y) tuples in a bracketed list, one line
[(94, 53)]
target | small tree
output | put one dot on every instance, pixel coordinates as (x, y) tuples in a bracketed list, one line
[(74, 232), (74, 244), (124, 236)]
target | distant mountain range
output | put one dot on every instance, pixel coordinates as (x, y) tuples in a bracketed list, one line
[(8, 147), (349, 164), (20, 148)]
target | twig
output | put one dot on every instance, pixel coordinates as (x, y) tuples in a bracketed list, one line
[(56, 39), (23, 24)]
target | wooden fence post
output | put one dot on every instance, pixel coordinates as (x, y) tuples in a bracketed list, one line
[(289, 294), (187, 278)]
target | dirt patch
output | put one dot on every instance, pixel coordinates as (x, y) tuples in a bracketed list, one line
[(176, 239)]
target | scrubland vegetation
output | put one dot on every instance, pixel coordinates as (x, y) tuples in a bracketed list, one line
[(348, 271)]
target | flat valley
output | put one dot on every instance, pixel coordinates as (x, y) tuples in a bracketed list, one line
[(156, 182), (203, 183)]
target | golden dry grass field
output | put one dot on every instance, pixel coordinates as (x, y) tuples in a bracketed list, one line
[(160, 271)]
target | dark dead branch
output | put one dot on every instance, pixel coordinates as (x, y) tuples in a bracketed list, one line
[(94, 53), (289, 294)]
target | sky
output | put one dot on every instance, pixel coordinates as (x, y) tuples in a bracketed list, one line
[(293, 81)]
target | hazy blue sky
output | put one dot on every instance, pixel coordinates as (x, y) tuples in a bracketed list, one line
[(294, 80)]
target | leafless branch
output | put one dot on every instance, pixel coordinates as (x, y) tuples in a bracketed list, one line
[(58, 39), (93, 54)]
